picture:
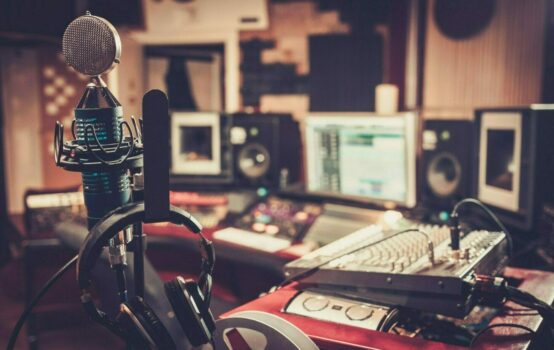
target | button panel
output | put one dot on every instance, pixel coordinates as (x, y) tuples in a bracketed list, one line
[(359, 312), (338, 310), (316, 303)]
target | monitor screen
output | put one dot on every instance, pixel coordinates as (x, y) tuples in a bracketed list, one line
[(500, 155), (363, 156), (500, 159), (195, 143)]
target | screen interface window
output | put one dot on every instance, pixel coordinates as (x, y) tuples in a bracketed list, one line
[(359, 160)]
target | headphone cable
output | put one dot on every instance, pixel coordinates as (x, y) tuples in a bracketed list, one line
[(36, 299)]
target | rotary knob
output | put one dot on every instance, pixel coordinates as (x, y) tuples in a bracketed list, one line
[(317, 303), (359, 312)]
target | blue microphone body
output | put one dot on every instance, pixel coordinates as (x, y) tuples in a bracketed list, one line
[(99, 150), (103, 190)]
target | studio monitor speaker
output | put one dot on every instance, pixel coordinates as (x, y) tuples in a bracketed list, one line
[(446, 159), (266, 150)]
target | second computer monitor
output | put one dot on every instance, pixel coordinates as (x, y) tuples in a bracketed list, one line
[(363, 156)]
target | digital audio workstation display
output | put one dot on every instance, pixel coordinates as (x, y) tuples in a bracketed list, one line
[(364, 156)]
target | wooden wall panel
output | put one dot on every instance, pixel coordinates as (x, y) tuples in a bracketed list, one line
[(22, 123), (501, 66), (60, 90)]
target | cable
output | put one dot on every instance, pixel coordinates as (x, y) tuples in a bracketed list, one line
[(487, 286), (454, 215), (36, 299), (121, 282), (314, 269), (496, 325), (497, 288), (528, 300)]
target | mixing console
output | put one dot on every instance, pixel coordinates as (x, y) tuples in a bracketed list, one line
[(279, 218), (413, 268)]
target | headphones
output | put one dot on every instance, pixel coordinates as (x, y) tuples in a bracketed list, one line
[(136, 321)]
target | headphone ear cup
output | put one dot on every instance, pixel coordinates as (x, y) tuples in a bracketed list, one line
[(142, 327), (191, 310)]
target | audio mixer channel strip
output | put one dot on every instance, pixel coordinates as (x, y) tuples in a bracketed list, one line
[(401, 270)]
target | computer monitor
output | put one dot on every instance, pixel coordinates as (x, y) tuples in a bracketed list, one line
[(363, 156), (195, 143), (201, 157), (514, 163), (500, 159)]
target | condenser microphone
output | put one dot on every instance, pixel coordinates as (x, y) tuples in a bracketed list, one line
[(100, 151)]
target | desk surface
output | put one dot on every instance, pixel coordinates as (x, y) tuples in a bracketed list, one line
[(335, 336), (541, 284), (224, 249)]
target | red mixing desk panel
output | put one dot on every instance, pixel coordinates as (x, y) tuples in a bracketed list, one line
[(333, 336)]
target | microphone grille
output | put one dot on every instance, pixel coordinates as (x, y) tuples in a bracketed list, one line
[(91, 45)]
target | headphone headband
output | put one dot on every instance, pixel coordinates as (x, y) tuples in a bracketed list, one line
[(114, 222)]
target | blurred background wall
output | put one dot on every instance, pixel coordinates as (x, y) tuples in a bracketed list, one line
[(276, 55), (500, 66)]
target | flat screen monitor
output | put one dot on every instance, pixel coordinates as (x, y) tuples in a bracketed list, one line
[(195, 143), (368, 157), (500, 159)]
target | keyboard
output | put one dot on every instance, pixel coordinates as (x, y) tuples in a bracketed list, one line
[(252, 240)]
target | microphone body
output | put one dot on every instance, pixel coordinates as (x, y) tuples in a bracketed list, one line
[(109, 189)]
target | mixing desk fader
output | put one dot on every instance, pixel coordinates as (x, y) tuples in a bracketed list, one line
[(413, 268)]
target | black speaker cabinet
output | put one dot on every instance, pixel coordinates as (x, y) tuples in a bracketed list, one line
[(513, 162), (445, 165), (266, 150)]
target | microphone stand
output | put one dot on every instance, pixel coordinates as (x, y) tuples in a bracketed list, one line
[(139, 238)]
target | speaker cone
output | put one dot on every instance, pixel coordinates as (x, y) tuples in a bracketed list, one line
[(254, 160), (444, 174)]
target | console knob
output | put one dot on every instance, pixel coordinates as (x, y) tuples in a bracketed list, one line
[(359, 312), (258, 227), (317, 303)]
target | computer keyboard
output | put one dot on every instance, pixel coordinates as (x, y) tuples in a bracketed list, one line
[(252, 240)]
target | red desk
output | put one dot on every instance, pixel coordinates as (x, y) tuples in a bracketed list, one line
[(335, 336), (227, 250), (243, 271)]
